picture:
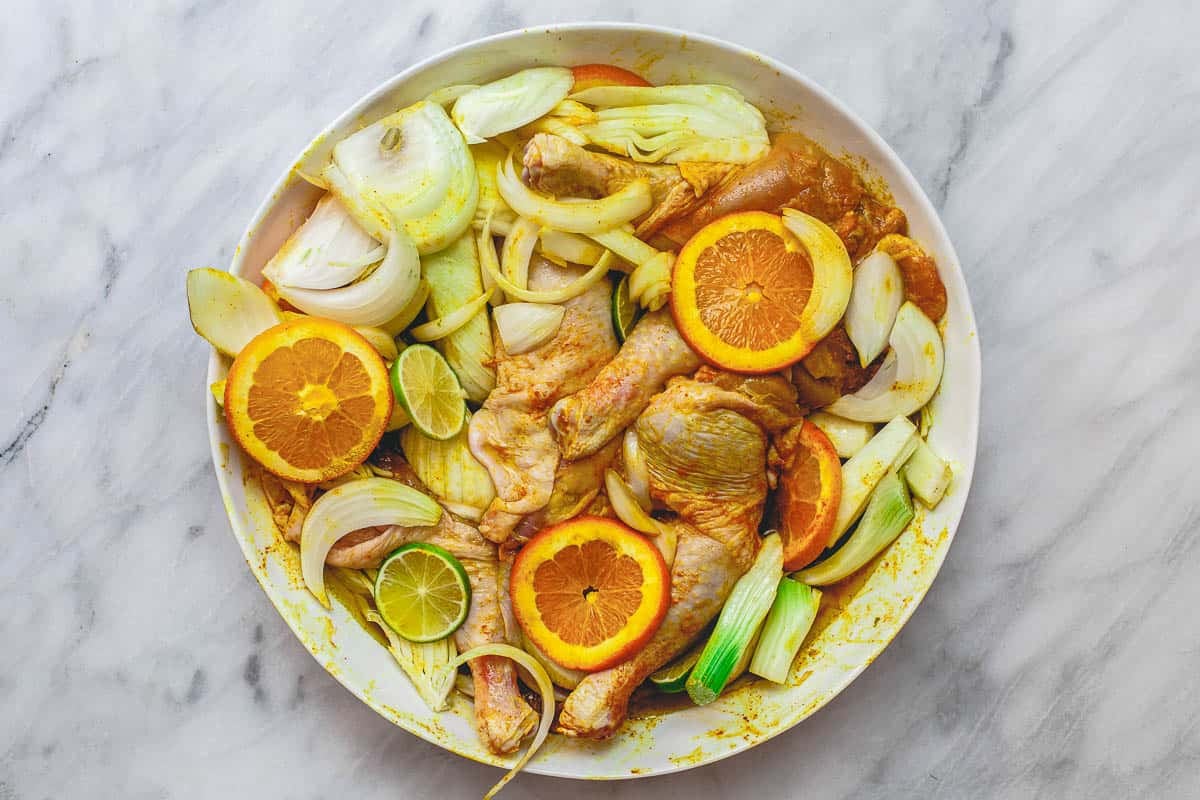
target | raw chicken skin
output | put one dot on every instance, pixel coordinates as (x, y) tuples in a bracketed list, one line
[(654, 352), (502, 716), (510, 435), (706, 447)]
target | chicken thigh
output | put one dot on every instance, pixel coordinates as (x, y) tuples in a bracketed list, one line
[(706, 445), (510, 435)]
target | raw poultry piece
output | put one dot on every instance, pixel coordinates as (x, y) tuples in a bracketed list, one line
[(562, 168), (798, 174), (705, 443), (510, 435), (502, 716), (654, 352)]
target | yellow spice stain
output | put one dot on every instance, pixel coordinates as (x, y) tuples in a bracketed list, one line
[(688, 759)]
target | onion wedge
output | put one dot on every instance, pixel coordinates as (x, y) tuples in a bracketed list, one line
[(412, 166), (637, 474), (396, 325), (629, 510), (559, 295), (569, 248), (626, 505), (517, 250), (376, 299), (905, 385), (545, 688), (874, 301), (444, 326), (573, 216), (833, 275), (509, 103), (329, 250), (527, 326), (353, 505)]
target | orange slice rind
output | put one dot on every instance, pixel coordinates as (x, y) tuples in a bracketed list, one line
[(589, 592), (810, 490), (739, 291), (308, 399)]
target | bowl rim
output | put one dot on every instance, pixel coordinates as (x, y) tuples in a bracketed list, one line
[(972, 362)]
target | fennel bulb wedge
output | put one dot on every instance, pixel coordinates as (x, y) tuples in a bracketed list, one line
[(888, 514), (738, 623), (412, 166), (227, 310)]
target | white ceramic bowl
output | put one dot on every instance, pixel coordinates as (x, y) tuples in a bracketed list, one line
[(858, 620)]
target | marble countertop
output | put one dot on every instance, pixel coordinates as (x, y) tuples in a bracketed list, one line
[(1056, 655)]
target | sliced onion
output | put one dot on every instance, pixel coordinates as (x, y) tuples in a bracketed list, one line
[(833, 275), (411, 166), (569, 248), (488, 263), (908, 385), (559, 675), (377, 298), (527, 326), (650, 282), (396, 325), (446, 95), (380, 339), (573, 216), (876, 297), (517, 250), (357, 504), (444, 326), (227, 310), (545, 688), (373, 257), (559, 295), (326, 252), (637, 474), (627, 506), (667, 542), (509, 103), (625, 245)]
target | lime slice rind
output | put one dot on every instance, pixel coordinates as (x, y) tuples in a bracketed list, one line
[(429, 392), (625, 312), (422, 592), (672, 678)]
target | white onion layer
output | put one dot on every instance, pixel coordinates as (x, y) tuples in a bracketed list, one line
[(356, 504), (874, 301), (898, 391)]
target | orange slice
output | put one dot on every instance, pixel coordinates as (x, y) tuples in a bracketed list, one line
[(308, 399), (588, 76), (810, 490), (739, 290), (589, 592)]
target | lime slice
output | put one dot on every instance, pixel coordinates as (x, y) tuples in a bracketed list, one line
[(429, 391), (625, 312), (422, 592), (673, 677)]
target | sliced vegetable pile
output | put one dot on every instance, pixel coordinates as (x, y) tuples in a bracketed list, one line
[(387, 310)]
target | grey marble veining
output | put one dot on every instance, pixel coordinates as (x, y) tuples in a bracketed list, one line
[(1056, 655)]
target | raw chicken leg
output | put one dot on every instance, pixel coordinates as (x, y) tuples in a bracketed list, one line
[(654, 352), (560, 167), (706, 449)]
